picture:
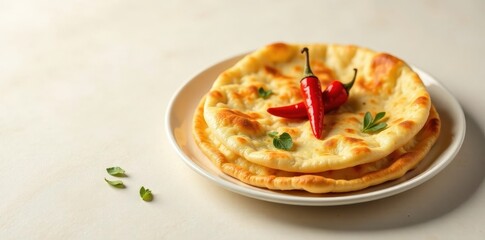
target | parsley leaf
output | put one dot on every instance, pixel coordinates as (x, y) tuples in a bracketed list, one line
[(282, 141), (116, 171), (115, 183), (263, 93), (379, 116), (373, 125), (146, 194)]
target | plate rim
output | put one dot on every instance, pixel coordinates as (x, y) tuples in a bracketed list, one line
[(268, 195)]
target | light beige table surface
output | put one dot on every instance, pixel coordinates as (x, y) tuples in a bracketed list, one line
[(85, 85)]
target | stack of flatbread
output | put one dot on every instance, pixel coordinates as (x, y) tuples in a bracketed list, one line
[(231, 124)]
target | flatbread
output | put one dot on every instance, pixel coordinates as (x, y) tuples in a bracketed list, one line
[(358, 177), (238, 119)]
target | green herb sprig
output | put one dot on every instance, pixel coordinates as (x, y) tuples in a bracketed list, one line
[(116, 171), (115, 183), (282, 141), (146, 194), (263, 93), (372, 125)]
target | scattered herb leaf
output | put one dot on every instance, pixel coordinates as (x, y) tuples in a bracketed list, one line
[(116, 171), (115, 183), (367, 119), (263, 93), (146, 194), (282, 141), (379, 116), (273, 134), (373, 125)]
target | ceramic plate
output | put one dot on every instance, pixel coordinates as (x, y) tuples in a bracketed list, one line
[(179, 127)]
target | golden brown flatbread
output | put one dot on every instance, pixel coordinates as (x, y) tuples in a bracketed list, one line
[(238, 119), (391, 167)]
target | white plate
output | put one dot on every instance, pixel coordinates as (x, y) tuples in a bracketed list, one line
[(179, 127)]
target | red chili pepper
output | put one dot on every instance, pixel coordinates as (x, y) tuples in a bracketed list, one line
[(334, 96), (337, 93), (312, 97), (297, 110)]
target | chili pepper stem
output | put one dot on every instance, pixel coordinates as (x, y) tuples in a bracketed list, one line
[(349, 85), (308, 71)]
